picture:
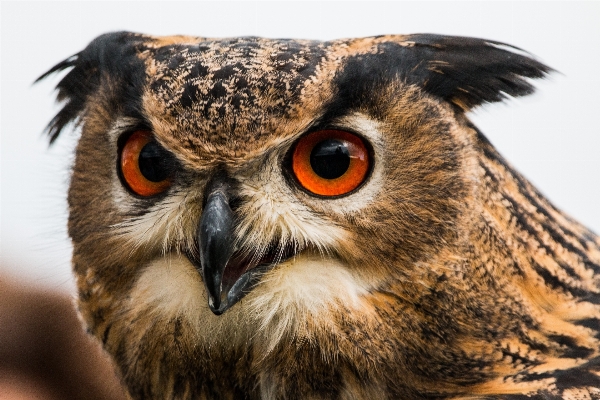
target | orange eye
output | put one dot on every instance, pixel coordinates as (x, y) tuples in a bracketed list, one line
[(330, 162), (145, 165)]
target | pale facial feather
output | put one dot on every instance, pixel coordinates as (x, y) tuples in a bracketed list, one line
[(305, 286)]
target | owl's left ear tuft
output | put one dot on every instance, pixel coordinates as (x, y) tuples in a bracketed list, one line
[(110, 58), (469, 72)]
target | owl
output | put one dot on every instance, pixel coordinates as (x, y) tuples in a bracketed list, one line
[(292, 219)]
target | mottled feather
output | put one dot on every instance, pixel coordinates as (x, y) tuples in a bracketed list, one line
[(445, 275)]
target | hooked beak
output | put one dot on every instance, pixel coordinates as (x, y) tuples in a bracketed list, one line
[(228, 275), (227, 279), (215, 239)]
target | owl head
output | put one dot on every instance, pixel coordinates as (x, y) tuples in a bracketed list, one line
[(280, 218)]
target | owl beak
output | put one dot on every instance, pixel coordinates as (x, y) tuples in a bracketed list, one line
[(227, 279), (215, 240), (228, 276)]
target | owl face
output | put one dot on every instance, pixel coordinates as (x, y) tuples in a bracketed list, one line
[(233, 161), (240, 203)]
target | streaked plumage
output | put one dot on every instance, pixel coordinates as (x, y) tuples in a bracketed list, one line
[(445, 274)]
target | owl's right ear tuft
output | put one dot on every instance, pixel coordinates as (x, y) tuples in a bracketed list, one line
[(469, 72), (110, 58)]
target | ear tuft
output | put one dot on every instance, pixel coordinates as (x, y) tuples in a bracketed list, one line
[(69, 92), (113, 56), (469, 72)]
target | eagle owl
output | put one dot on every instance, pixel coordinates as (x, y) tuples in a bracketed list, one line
[(295, 219)]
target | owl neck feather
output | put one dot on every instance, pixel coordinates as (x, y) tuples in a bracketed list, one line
[(549, 266)]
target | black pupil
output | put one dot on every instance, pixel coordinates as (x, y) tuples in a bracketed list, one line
[(330, 158), (153, 163)]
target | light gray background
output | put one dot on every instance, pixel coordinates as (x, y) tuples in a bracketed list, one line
[(552, 136)]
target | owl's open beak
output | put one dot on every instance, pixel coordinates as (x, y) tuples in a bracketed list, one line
[(227, 279), (215, 239), (228, 275)]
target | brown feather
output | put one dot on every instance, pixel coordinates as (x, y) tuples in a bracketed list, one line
[(446, 275)]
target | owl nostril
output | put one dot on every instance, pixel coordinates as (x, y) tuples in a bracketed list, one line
[(235, 202), (221, 181)]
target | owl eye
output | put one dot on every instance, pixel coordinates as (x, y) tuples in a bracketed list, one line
[(145, 166), (330, 162)]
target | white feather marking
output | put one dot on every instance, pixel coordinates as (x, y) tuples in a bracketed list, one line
[(306, 286), (169, 222), (170, 287)]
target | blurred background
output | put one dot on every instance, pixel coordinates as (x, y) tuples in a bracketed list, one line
[(553, 137)]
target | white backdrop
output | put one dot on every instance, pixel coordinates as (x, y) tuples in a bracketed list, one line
[(553, 137)]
